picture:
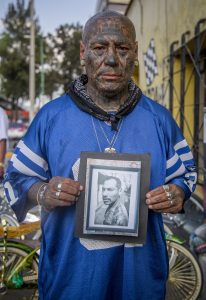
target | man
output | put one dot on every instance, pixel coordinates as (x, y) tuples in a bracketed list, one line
[(3, 139), (115, 213), (102, 110)]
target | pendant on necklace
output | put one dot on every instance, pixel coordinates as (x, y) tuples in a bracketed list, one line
[(110, 150)]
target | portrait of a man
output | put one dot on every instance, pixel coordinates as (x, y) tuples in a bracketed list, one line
[(112, 210), (112, 196)]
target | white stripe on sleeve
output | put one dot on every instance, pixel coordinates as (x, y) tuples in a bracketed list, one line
[(172, 161), (186, 156), (10, 191), (32, 156), (180, 145), (24, 169), (179, 172)]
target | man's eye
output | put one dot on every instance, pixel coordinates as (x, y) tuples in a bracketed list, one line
[(122, 48), (99, 48)]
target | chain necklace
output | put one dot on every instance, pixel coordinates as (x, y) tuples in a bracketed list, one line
[(111, 143)]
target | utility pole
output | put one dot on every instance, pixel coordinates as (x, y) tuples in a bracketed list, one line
[(42, 78), (32, 61)]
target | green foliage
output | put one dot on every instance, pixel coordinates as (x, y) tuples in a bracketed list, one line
[(59, 53), (63, 56), (23, 264), (14, 51)]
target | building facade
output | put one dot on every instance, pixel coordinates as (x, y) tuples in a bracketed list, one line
[(171, 67)]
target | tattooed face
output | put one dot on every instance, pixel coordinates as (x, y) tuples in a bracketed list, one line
[(109, 50)]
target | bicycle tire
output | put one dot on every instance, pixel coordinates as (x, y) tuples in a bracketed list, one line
[(185, 277), (11, 221), (29, 274)]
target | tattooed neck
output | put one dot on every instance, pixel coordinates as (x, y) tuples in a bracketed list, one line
[(108, 102)]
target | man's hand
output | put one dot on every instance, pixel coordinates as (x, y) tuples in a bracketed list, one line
[(166, 199), (60, 191)]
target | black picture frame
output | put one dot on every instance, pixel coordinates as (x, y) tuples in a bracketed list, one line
[(112, 206)]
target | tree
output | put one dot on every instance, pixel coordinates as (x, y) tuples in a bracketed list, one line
[(14, 51), (63, 56)]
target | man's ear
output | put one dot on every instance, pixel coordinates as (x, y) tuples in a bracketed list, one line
[(136, 49), (82, 50)]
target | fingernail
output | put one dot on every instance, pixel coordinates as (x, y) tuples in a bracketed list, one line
[(81, 188), (148, 195), (147, 201)]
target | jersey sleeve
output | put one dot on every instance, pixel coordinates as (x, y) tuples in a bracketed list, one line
[(180, 167), (27, 166)]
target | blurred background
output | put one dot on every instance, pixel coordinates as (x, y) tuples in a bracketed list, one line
[(39, 57)]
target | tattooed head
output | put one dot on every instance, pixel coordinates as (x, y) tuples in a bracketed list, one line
[(109, 50), (90, 29)]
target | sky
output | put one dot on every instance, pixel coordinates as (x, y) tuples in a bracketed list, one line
[(52, 13)]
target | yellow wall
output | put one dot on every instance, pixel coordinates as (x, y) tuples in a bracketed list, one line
[(165, 21), (189, 103), (176, 91)]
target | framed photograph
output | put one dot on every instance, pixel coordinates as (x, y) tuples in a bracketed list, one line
[(112, 206)]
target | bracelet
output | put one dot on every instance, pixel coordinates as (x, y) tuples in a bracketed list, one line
[(40, 194), (2, 164)]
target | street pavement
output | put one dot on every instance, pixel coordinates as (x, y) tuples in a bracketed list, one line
[(21, 294)]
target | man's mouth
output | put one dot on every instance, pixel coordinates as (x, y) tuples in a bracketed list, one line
[(106, 200), (110, 76)]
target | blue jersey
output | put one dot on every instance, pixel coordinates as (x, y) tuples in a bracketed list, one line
[(72, 268)]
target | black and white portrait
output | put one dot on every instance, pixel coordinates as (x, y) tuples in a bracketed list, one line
[(112, 197)]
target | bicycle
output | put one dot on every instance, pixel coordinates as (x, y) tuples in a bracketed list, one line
[(18, 261), (19, 265), (187, 222), (188, 263), (8, 214), (185, 276)]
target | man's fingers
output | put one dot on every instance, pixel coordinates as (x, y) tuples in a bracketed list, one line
[(69, 183), (157, 191), (70, 189), (62, 192), (66, 197), (172, 210), (61, 196), (161, 205), (165, 199), (156, 199)]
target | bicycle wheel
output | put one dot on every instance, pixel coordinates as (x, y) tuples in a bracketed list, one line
[(185, 277), (11, 221), (27, 276)]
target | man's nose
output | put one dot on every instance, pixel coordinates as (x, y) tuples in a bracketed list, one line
[(111, 58), (104, 193)]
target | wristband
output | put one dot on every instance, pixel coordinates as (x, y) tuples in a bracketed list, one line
[(40, 195)]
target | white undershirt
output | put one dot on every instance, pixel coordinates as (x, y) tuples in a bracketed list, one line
[(3, 125)]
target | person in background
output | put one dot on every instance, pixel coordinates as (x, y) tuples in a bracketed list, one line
[(3, 139), (103, 110)]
